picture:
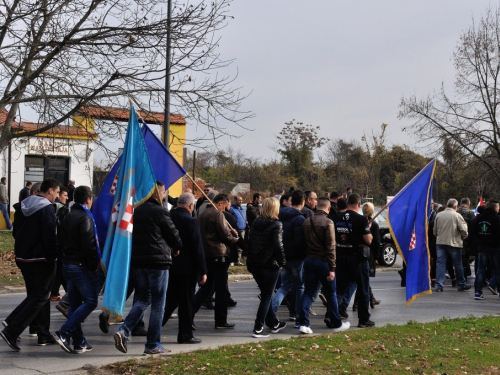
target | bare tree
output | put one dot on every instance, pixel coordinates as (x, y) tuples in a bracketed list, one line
[(468, 118), (57, 56)]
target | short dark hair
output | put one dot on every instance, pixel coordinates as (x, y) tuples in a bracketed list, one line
[(159, 183), (341, 204), (28, 183), (480, 209), (221, 197), (284, 197), (492, 204), (353, 199), (49, 183), (63, 189), (323, 202), (465, 201), (307, 193), (3, 179), (82, 193), (298, 197), (256, 196), (334, 195), (349, 188)]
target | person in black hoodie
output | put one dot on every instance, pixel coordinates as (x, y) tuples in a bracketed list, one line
[(293, 244), (35, 248), (487, 231), (265, 258), (78, 242), (154, 236)]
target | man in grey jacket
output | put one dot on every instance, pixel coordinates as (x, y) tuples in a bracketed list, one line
[(450, 230)]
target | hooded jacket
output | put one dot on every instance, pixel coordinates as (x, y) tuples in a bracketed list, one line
[(293, 238), (266, 244), (35, 230)]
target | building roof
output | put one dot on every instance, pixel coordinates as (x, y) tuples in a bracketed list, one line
[(122, 114), (60, 131)]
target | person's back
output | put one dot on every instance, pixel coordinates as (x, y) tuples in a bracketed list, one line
[(293, 239), (487, 226), (450, 228)]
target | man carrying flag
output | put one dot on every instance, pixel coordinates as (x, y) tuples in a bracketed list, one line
[(154, 235), (408, 220)]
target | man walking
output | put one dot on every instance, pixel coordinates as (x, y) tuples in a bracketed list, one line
[(450, 229), (154, 235), (352, 231), (241, 222), (216, 236), (4, 202), (35, 249), (78, 242), (25, 191), (319, 266), (187, 268)]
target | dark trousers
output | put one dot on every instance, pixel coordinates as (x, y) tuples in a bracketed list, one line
[(216, 276), (486, 255), (266, 280), (180, 293), (38, 277), (351, 269), (58, 280)]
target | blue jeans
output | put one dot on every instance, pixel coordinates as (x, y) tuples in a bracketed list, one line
[(352, 270), (346, 297), (151, 289), (5, 213), (291, 279), (83, 291), (483, 255), (266, 280), (315, 271), (456, 256)]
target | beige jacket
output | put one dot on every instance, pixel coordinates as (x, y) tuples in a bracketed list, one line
[(450, 228)]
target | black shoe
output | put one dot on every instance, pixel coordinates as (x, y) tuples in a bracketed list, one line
[(46, 341), (343, 313), (454, 282), (139, 331), (79, 349), (103, 322), (225, 325), (367, 324), (231, 302), (63, 310), (466, 287), (194, 340), (328, 323), (278, 327), (63, 341), (11, 341), (208, 305)]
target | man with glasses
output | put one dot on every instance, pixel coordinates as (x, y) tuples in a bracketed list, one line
[(310, 205), (206, 189)]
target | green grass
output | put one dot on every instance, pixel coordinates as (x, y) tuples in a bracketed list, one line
[(459, 346), (6, 242)]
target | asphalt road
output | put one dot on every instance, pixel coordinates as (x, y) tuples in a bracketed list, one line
[(53, 360)]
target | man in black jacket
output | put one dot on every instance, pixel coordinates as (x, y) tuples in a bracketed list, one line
[(487, 231), (35, 248), (186, 270), (77, 239), (153, 238)]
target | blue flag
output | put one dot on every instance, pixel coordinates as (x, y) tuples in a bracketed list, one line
[(408, 219), (165, 167), (134, 184)]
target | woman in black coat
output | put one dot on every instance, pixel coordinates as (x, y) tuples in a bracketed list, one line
[(265, 258)]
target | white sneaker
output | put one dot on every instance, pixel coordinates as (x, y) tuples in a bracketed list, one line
[(344, 327), (305, 330)]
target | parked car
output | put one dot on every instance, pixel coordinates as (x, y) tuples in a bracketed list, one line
[(388, 252)]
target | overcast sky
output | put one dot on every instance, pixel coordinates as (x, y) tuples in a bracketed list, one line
[(340, 65)]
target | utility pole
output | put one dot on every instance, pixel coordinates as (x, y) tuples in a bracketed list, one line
[(166, 125)]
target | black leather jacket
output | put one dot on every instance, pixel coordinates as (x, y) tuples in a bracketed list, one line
[(76, 238), (153, 235), (266, 244)]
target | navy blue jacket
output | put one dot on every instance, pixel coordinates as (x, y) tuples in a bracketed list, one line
[(293, 237), (191, 259)]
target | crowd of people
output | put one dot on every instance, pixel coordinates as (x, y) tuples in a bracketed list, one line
[(299, 247)]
